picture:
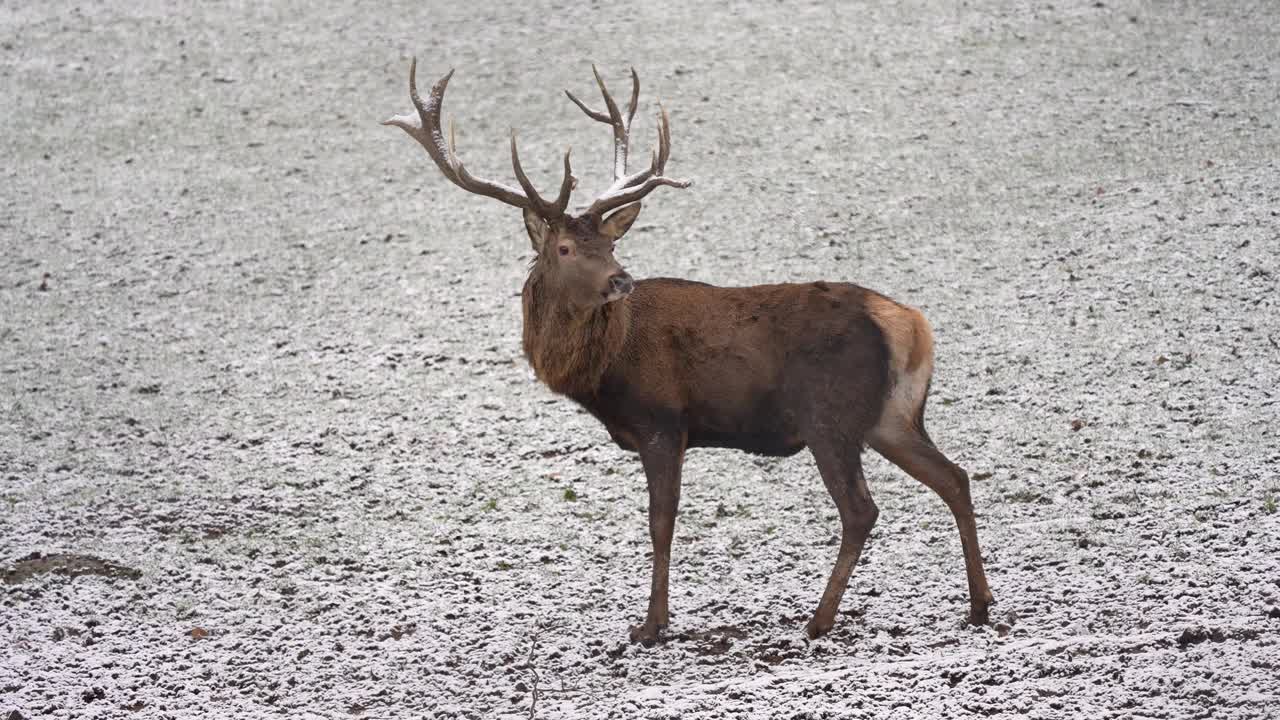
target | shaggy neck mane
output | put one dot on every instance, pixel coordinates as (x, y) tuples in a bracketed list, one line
[(570, 349)]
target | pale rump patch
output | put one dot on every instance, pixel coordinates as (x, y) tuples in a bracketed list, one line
[(910, 342)]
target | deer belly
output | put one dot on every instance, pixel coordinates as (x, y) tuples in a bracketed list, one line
[(761, 427)]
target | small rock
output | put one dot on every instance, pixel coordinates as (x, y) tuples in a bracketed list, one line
[(1192, 636), (93, 693), (15, 715), (1274, 612), (1002, 629)]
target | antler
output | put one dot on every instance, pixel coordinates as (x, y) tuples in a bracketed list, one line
[(626, 188), (425, 128), (621, 128)]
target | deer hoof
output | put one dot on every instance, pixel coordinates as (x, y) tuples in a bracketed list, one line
[(817, 629), (979, 614), (648, 634)]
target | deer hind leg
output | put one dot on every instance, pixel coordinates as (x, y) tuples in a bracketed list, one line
[(909, 447), (841, 470), (899, 435)]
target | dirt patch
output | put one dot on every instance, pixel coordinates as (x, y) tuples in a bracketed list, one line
[(715, 641), (68, 564)]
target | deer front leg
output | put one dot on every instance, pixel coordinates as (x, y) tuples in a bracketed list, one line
[(662, 458)]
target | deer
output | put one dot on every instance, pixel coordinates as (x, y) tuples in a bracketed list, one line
[(667, 365)]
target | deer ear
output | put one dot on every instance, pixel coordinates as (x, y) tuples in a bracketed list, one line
[(537, 228), (617, 224)]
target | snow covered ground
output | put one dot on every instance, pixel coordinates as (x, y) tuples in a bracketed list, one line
[(268, 446)]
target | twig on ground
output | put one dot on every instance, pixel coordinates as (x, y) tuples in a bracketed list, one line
[(533, 689), (536, 692)]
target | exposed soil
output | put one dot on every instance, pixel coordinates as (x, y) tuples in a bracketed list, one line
[(65, 565), (268, 445)]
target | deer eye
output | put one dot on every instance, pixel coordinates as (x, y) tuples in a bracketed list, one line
[(564, 249)]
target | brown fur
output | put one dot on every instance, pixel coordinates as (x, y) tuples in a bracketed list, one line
[(769, 369), (910, 338), (668, 365), (568, 350)]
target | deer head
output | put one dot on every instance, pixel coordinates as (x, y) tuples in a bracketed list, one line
[(574, 252)]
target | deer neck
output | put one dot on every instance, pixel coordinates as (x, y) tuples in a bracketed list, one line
[(570, 349)]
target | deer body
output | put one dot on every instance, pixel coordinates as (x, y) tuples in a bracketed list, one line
[(746, 368), (667, 365)]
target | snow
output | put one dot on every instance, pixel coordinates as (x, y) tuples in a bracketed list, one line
[(313, 434)]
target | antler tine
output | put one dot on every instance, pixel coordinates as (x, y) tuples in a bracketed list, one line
[(426, 129), (593, 114), (664, 140), (635, 98), (658, 156), (605, 203), (566, 185), (635, 187), (540, 206), (613, 118), (419, 128)]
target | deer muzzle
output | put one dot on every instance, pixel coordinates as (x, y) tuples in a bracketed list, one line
[(620, 286)]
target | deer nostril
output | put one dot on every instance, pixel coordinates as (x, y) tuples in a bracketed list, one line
[(621, 283)]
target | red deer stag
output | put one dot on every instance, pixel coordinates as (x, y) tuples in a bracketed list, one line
[(669, 365)]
